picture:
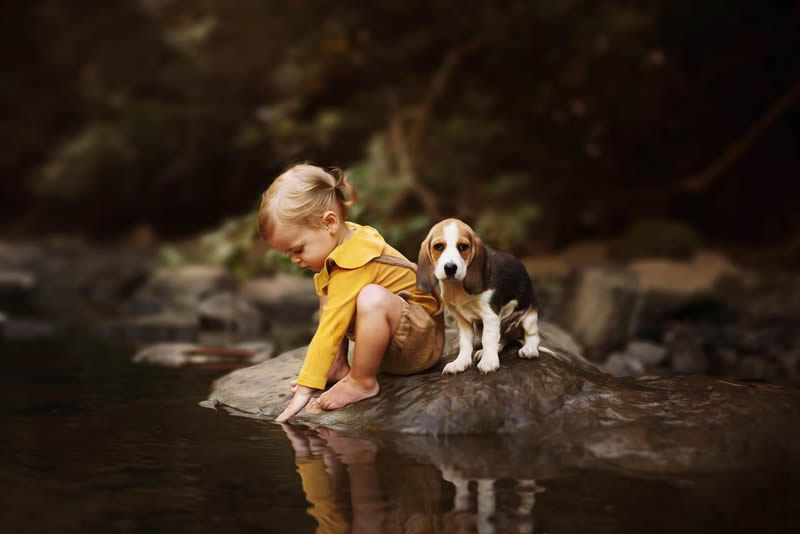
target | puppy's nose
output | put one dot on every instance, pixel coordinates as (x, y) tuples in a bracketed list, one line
[(450, 269)]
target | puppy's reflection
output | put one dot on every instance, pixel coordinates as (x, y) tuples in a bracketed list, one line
[(461, 520)]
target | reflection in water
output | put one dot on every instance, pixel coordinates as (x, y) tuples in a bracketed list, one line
[(526, 489), (340, 474), (320, 472), (102, 445)]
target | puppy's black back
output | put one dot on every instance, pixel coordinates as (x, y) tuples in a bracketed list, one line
[(510, 280)]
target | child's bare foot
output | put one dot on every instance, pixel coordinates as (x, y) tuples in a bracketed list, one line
[(347, 391)]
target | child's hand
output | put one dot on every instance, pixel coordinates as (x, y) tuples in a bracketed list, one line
[(302, 395)]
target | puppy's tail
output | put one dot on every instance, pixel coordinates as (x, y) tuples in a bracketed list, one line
[(548, 351)]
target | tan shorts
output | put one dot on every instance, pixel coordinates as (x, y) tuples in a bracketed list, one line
[(417, 344)]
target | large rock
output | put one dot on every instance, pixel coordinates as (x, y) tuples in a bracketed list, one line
[(68, 279), (584, 416), (602, 307), (166, 326), (282, 298), (675, 285), (688, 277), (186, 286), (228, 310)]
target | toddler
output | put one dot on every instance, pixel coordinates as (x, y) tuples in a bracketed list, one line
[(367, 290)]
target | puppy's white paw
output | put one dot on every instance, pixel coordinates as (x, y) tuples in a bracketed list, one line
[(479, 353), (529, 351), (459, 365), (489, 363)]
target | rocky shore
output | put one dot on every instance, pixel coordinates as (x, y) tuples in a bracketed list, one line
[(702, 315)]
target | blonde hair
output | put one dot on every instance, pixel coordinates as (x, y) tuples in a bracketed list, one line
[(302, 194)]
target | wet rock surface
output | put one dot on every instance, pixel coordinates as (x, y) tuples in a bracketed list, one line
[(582, 416)]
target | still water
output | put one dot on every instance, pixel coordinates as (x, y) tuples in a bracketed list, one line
[(90, 442)]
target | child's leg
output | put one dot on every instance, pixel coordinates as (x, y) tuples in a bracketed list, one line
[(378, 313), (340, 367)]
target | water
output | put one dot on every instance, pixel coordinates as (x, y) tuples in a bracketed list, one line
[(92, 443)]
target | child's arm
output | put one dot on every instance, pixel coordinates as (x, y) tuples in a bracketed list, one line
[(337, 314), (338, 310), (302, 394)]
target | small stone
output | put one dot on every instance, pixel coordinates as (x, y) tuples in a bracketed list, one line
[(754, 368), (648, 353), (264, 350), (28, 329), (689, 360), (622, 364), (165, 354), (222, 310), (16, 282)]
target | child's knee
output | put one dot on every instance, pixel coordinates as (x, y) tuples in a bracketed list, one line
[(373, 298)]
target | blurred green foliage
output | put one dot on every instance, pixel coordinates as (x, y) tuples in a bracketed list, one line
[(235, 245), (539, 122)]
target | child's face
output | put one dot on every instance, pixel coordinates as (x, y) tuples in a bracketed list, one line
[(307, 246)]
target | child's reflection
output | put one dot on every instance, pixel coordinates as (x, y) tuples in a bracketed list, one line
[(320, 471), (366, 495), (322, 457), (332, 464)]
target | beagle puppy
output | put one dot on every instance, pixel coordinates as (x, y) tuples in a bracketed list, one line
[(480, 286)]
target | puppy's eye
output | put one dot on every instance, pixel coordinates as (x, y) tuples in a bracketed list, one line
[(462, 247), (438, 246)]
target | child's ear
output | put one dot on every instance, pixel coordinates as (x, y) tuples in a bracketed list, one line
[(475, 279), (426, 280), (331, 221)]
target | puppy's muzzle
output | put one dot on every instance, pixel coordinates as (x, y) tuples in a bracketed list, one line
[(450, 269)]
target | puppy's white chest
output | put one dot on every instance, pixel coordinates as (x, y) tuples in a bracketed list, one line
[(470, 307)]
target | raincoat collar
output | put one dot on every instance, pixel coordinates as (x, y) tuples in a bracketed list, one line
[(363, 246)]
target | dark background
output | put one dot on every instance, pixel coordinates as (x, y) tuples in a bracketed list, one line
[(543, 123)]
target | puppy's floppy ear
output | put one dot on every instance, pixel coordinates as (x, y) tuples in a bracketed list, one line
[(475, 279), (426, 280)]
